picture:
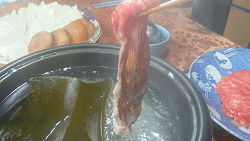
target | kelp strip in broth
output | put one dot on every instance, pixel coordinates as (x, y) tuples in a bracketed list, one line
[(62, 108)]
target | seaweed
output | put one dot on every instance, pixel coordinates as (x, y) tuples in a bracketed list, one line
[(59, 108)]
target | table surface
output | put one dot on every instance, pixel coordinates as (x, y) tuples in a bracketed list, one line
[(188, 39)]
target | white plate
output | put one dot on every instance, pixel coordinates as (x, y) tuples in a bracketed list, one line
[(96, 36), (98, 30)]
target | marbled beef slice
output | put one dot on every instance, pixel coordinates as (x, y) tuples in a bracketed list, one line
[(234, 92), (133, 66)]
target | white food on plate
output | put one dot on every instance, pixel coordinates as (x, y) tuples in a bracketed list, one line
[(17, 28)]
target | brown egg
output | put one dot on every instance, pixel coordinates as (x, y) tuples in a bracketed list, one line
[(90, 26), (40, 41), (61, 37), (77, 32)]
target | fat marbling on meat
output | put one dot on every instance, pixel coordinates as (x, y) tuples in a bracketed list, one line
[(134, 58), (234, 92)]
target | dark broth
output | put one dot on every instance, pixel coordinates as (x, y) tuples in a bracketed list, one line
[(154, 123)]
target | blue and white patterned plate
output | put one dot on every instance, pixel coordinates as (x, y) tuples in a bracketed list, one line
[(207, 70), (98, 30), (7, 1)]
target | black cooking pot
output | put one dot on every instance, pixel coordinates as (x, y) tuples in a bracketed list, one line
[(183, 106)]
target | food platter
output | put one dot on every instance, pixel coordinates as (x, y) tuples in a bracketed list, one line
[(206, 71), (18, 50), (98, 30)]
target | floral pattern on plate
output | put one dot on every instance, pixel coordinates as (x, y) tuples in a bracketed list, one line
[(207, 70)]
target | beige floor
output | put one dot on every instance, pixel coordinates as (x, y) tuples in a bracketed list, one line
[(238, 24)]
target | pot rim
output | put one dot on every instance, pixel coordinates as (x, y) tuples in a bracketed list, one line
[(204, 122)]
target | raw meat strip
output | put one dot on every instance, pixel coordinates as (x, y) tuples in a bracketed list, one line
[(133, 66), (234, 92)]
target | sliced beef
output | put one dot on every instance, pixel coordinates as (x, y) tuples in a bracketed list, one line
[(234, 92), (133, 66)]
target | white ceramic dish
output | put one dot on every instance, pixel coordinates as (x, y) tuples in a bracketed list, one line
[(96, 36)]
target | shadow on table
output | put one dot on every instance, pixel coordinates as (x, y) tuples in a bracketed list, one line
[(222, 135)]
